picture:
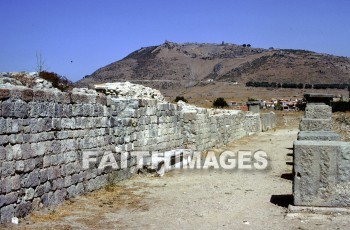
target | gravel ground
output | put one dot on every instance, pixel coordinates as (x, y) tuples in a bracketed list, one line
[(196, 199)]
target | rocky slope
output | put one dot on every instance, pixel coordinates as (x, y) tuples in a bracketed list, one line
[(173, 65)]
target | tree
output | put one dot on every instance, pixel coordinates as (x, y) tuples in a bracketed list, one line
[(248, 45), (244, 45), (278, 106), (220, 102), (180, 98), (251, 99)]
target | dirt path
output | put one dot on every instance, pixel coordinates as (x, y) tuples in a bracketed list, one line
[(196, 199)]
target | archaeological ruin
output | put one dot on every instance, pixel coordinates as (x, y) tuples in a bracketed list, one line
[(44, 132), (321, 163)]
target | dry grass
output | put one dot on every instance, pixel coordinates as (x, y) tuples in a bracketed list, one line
[(89, 210)]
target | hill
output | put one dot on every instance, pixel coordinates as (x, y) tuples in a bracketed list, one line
[(173, 67)]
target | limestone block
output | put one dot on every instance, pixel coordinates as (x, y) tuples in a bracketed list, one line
[(7, 108), (23, 209), (20, 109), (265, 121), (11, 198), (308, 124), (40, 125), (30, 180), (47, 199), (318, 111), (322, 173), (8, 168), (67, 110), (29, 194), (28, 165), (4, 94), (318, 135), (43, 175), (78, 98), (6, 213)]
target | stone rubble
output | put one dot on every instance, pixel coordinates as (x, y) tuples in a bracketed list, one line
[(24, 79), (129, 90)]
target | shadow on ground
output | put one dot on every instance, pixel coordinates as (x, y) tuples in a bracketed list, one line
[(282, 200), (287, 176)]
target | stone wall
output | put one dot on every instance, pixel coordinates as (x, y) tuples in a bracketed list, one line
[(43, 135)]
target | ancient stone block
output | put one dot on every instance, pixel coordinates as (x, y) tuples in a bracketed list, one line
[(321, 173), (6, 213), (23, 209), (43, 95), (8, 168), (318, 111), (77, 98), (11, 198), (27, 95), (318, 136), (29, 194), (4, 94), (7, 108), (30, 180), (308, 124)]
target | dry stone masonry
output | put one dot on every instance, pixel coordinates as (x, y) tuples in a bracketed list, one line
[(43, 134), (321, 162)]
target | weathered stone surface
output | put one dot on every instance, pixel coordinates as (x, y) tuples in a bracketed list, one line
[(254, 106), (318, 111), (322, 173), (318, 136), (23, 209), (6, 213), (4, 94), (10, 198), (44, 134), (29, 194), (308, 124), (129, 90), (268, 121)]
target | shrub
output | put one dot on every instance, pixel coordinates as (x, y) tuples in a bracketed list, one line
[(220, 102), (180, 98), (59, 82), (340, 106), (301, 105), (251, 99), (278, 106), (308, 86)]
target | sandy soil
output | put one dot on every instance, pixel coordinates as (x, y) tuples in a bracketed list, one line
[(195, 199)]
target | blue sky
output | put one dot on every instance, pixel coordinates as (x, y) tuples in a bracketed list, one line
[(76, 37)]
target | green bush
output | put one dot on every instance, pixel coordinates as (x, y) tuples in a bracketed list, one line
[(220, 102)]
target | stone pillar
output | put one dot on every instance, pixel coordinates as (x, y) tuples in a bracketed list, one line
[(321, 173), (254, 106), (321, 163), (318, 117)]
